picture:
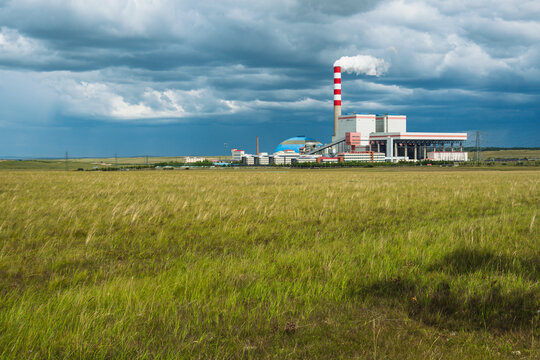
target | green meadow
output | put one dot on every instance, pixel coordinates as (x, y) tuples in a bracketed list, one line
[(281, 264)]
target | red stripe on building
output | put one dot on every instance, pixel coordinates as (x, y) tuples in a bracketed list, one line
[(337, 102), (337, 91), (337, 81)]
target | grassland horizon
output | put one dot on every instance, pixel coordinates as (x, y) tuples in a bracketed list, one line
[(88, 163), (278, 263)]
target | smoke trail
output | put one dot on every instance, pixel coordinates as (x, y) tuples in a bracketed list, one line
[(362, 64)]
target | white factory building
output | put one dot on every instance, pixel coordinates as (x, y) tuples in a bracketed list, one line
[(237, 154), (388, 134)]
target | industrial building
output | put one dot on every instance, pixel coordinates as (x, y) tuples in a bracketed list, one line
[(299, 144), (237, 154), (193, 159), (263, 159), (387, 134), (284, 157), (363, 137)]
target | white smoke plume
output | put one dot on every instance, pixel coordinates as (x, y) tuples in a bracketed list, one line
[(362, 64)]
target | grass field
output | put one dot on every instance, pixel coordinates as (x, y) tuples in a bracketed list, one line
[(367, 264), (508, 154), (43, 165)]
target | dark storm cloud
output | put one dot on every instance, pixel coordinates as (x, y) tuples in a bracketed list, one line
[(84, 38), (228, 62)]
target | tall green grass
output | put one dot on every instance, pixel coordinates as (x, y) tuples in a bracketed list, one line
[(271, 264)]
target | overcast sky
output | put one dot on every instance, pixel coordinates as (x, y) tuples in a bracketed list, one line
[(172, 77)]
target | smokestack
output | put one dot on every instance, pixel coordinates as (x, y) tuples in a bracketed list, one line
[(257, 146), (337, 96)]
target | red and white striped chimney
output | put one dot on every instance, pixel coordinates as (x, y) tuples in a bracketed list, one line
[(337, 96)]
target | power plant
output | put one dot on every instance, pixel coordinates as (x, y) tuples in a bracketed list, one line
[(364, 137)]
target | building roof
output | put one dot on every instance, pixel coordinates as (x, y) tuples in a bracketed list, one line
[(295, 143), (418, 136)]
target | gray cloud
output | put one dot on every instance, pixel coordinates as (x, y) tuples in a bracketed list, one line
[(171, 60)]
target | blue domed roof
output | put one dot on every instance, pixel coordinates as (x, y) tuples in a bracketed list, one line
[(295, 143)]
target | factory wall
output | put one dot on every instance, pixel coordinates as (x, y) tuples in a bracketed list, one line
[(391, 123), (363, 124), (447, 156)]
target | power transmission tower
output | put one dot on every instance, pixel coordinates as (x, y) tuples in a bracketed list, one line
[(225, 147), (478, 147)]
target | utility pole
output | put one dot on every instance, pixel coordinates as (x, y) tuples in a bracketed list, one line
[(225, 147), (67, 166), (478, 147)]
